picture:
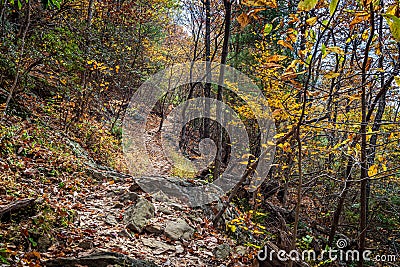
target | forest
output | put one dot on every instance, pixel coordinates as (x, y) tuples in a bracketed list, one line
[(224, 133)]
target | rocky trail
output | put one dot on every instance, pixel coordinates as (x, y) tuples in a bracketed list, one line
[(110, 221)]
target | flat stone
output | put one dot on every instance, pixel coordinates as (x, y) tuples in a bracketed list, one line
[(158, 246), (178, 229)]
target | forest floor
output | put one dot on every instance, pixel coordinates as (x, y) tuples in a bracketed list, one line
[(77, 212)]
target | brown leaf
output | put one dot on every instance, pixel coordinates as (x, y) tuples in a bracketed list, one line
[(243, 20)]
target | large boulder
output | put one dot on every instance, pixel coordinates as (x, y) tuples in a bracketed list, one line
[(178, 229), (137, 216)]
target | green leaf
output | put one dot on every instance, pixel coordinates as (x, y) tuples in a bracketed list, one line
[(307, 5), (332, 6), (267, 28), (394, 24), (34, 244), (323, 50), (19, 4)]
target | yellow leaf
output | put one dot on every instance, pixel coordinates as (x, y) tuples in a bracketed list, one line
[(285, 44), (307, 5), (335, 49), (117, 69), (311, 21), (331, 75), (232, 227), (373, 170), (279, 135), (397, 80), (270, 3)]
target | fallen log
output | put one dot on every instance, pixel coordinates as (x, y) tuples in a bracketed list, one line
[(16, 206), (99, 259)]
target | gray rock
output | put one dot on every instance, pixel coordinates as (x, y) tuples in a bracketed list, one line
[(137, 216), (222, 251), (165, 210), (110, 219), (161, 197), (178, 229), (179, 249), (158, 246), (176, 206)]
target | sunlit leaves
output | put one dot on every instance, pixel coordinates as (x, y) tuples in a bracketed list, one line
[(270, 3), (267, 28), (397, 80), (373, 170), (332, 75), (394, 24), (359, 17), (332, 6), (311, 21), (335, 49), (307, 5), (285, 44)]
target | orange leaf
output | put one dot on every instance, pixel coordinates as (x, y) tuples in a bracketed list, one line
[(285, 44)]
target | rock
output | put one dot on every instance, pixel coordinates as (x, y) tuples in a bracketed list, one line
[(158, 246), (165, 210), (241, 250), (110, 219), (179, 249), (178, 229), (43, 243), (86, 244), (137, 216), (130, 196), (222, 251), (176, 206), (161, 197), (154, 229)]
